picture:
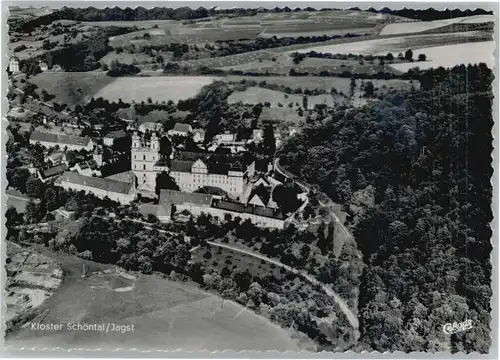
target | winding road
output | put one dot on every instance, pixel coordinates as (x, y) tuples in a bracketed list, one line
[(353, 320)]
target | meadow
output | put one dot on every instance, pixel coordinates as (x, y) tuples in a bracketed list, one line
[(159, 88), (166, 315), (451, 55), (71, 88)]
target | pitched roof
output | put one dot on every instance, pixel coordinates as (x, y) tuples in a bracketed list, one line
[(181, 127), (127, 176), (98, 183), (262, 192), (181, 165), (56, 156), (149, 125), (199, 131), (116, 134), (248, 209), (180, 197), (55, 170), (60, 138)]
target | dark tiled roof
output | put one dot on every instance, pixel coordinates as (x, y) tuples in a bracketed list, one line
[(59, 138), (116, 134), (181, 127), (53, 171), (262, 192), (248, 209), (180, 197), (181, 165), (98, 183)]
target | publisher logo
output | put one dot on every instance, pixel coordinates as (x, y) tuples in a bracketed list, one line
[(456, 327)]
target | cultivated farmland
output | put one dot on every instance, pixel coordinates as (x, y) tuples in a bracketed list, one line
[(451, 55), (166, 315), (406, 28), (159, 88), (397, 44)]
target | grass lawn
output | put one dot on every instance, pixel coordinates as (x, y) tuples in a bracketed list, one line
[(159, 88), (71, 88), (165, 314)]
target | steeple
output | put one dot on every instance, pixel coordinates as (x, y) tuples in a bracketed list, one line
[(155, 142)]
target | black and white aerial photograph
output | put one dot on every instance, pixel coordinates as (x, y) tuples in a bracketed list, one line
[(249, 177)]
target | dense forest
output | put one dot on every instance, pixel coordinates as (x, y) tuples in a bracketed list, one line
[(413, 171)]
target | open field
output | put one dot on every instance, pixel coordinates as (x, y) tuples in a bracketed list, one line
[(397, 44), (451, 55), (165, 314), (405, 28), (72, 88), (255, 95), (324, 83), (158, 88)]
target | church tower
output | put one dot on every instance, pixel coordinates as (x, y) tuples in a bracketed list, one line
[(144, 155)]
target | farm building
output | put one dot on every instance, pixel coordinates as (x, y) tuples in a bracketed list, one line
[(14, 64), (119, 191), (70, 142), (181, 129)]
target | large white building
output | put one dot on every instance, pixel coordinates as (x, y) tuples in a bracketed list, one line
[(222, 171), (119, 191), (71, 142), (197, 204)]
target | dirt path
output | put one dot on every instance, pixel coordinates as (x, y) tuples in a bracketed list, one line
[(343, 306)]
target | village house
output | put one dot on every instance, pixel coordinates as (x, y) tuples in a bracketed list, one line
[(69, 142), (198, 135), (46, 175), (43, 66), (181, 129), (257, 136), (87, 168), (14, 64), (56, 158), (119, 191), (110, 137), (226, 137), (150, 126)]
